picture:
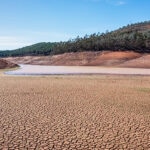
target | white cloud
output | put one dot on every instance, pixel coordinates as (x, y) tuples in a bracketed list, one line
[(116, 2), (119, 3), (31, 37), (96, 0), (10, 42), (110, 2)]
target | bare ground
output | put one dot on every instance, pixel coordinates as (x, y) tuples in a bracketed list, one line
[(105, 58), (75, 112), (4, 64)]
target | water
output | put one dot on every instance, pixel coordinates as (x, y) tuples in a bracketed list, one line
[(64, 70)]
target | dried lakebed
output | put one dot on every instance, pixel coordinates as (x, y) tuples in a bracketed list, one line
[(59, 70), (75, 112)]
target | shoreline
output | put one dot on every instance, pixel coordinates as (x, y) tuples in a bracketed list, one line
[(38, 70)]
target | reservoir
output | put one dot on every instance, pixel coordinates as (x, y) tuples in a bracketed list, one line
[(72, 70)]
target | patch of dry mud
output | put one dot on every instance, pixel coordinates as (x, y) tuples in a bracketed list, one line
[(88, 112)]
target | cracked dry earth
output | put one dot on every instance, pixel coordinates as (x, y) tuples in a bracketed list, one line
[(75, 112)]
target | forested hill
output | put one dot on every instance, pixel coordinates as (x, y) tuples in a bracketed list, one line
[(36, 49), (140, 27), (134, 37)]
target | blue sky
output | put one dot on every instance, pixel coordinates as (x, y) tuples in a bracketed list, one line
[(25, 22)]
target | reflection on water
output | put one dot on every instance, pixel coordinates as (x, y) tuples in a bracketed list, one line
[(56, 70)]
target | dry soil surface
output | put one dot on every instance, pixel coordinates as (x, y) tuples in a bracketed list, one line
[(104, 58), (6, 64), (75, 112)]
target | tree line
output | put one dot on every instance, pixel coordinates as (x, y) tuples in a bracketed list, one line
[(33, 50), (135, 37)]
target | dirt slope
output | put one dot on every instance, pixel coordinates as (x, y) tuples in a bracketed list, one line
[(105, 58), (142, 62), (6, 64)]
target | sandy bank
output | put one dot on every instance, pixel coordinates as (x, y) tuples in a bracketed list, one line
[(104, 58)]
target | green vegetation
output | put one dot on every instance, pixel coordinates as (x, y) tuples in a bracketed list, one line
[(36, 49), (135, 37)]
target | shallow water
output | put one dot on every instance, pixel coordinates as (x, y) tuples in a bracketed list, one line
[(59, 70)]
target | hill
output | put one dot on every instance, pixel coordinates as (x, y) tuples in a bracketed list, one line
[(140, 27), (134, 37), (33, 50), (6, 64)]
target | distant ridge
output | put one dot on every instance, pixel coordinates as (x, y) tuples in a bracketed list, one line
[(134, 37), (140, 27)]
